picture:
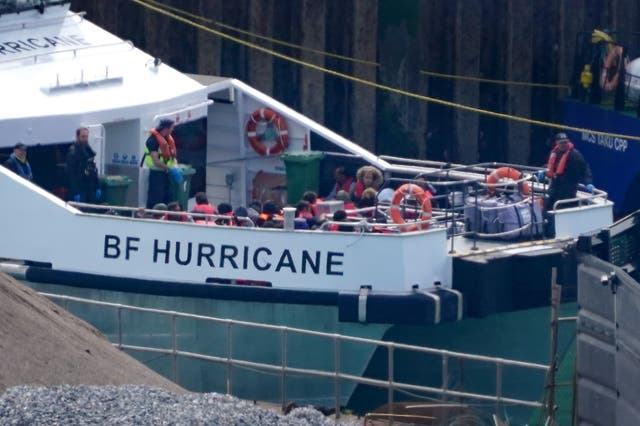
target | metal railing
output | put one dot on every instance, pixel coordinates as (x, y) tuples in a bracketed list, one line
[(463, 185), (157, 215), (390, 384), (581, 201), (73, 50)]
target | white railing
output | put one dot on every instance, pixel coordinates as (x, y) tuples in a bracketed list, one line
[(170, 215), (390, 384), (73, 50)]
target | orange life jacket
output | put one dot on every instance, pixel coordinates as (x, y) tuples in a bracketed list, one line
[(563, 161), (266, 217), (344, 186), (204, 209), (167, 146)]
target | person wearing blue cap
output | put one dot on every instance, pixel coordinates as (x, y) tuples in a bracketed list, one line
[(161, 157), (565, 169)]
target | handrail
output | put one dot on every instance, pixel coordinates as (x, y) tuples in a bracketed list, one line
[(139, 212), (524, 200), (506, 233), (171, 114), (336, 374), (75, 50), (449, 218), (580, 201), (440, 166)]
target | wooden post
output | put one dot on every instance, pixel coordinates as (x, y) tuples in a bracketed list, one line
[(312, 30), (556, 291)]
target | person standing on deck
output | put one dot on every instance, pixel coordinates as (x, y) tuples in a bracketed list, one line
[(18, 163), (82, 170), (161, 157), (566, 168)]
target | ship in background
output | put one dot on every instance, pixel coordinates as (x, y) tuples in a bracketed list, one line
[(609, 104)]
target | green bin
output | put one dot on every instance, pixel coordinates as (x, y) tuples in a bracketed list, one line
[(114, 189), (303, 173), (181, 191)]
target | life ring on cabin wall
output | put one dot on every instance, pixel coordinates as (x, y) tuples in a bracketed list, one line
[(423, 198), (611, 67), (506, 174), (272, 121)]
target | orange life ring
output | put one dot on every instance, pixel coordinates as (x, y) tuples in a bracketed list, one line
[(610, 73), (420, 195), (506, 173), (271, 119)]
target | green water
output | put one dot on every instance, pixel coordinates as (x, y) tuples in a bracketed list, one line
[(247, 344), (521, 335)]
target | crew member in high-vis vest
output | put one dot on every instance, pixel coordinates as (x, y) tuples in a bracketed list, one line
[(161, 156)]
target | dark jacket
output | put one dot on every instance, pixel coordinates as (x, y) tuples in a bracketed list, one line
[(82, 171), (566, 185), (19, 168)]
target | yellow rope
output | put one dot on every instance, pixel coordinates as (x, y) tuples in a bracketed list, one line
[(180, 11), (261, 37), (382, 86), (489, 80)]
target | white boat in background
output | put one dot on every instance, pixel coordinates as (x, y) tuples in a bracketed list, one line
[(62, 72)]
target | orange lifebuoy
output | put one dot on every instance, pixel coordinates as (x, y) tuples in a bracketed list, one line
[(506, 174), (610, 74), (410, 189), (273, 120)]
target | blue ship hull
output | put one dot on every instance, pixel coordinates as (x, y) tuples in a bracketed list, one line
[(615, 162)]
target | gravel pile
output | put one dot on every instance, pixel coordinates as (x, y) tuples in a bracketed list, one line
[(140, 405), (42, 344)]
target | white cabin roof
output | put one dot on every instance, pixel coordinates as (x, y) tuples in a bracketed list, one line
[(60, 64)]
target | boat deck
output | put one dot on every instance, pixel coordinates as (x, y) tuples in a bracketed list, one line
[(464, 246)]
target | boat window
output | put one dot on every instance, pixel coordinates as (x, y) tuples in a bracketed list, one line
[(48, 163), (334, 157)]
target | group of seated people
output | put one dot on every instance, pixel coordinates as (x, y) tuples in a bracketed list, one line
[(360, 196), (202, 213)]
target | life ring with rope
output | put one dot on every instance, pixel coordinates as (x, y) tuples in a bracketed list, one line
[(504, 174), (610, 74), (423, 198), (272, 121)]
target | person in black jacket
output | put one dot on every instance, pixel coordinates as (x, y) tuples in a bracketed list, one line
[(81, 169), (566, 168)]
